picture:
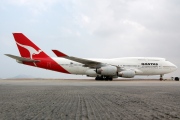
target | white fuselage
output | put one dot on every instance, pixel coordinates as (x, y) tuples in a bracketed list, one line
[(142, 65)]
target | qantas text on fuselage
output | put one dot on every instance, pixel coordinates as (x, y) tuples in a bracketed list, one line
[(149, 64)]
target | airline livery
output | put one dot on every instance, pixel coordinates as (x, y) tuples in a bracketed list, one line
[(101, 69)]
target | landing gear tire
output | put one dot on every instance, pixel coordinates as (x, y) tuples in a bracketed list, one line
[(176, 79), (109, 78), (106, 79), (97, 78), (103, 78)]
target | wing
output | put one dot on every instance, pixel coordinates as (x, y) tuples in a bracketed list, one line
[(86, 62), (21, 59)]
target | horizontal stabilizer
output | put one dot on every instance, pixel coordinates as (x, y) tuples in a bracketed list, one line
[(21, 58)]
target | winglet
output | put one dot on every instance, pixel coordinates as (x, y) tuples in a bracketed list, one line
[(59, 54)]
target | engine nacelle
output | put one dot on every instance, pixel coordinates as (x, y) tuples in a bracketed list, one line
[(91, 73), (107, 70), (127, 74)]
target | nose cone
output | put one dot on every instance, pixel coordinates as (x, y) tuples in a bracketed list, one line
[(174, 67)]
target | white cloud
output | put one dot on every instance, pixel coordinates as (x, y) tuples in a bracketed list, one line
[(35, 6), (85, 19), (135, 25), (106, 18)]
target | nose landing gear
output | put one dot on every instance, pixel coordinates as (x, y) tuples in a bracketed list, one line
[(161, 77)]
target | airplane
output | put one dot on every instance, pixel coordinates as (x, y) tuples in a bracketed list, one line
[(100, 69)]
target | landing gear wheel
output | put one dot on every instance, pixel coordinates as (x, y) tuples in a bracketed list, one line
[(109, 78), (176, 79), (106, 78), (103, 78), (97, 78)]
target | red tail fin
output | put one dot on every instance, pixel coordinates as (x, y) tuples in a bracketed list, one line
[(27, 48)]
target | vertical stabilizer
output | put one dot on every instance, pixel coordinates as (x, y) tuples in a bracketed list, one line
[(27, 48)]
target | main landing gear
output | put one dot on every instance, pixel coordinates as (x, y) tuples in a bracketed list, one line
[(104, 78), (161, 77)]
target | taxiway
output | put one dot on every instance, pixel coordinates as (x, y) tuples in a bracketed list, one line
[(89, 99)]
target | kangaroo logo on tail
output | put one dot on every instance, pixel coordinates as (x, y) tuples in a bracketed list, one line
[(31, 50)]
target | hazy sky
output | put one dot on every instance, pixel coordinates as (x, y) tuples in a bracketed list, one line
[(90, 29)]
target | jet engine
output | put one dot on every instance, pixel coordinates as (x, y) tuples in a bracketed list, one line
[(127, 74), (91, 73), (107, 71)]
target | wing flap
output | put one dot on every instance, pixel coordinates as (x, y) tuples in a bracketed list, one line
[(21, 58)]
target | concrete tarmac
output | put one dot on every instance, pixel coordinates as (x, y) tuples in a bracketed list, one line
[(89, 99)]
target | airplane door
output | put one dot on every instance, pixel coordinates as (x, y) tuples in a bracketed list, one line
[(160, 66)]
